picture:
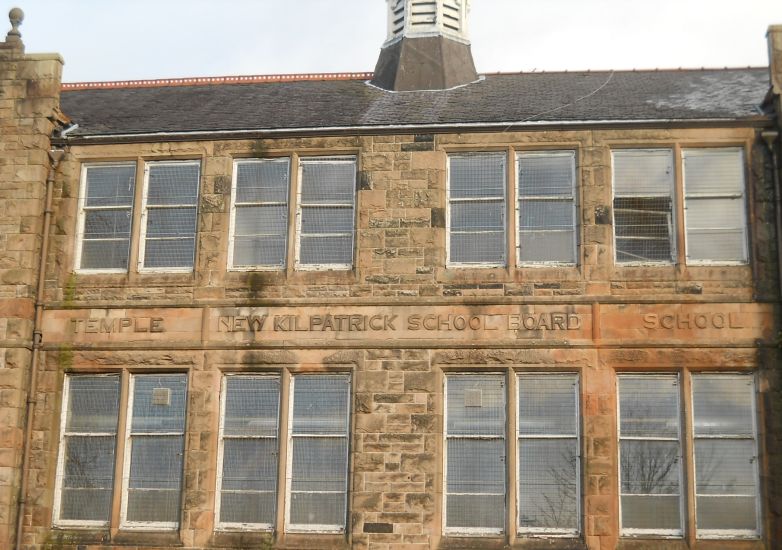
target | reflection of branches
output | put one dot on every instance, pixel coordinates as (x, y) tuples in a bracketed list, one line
[(558, 510), (647, 467)]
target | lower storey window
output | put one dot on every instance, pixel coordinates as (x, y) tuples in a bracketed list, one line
[(314, 455), (725, 461), (547, 486)]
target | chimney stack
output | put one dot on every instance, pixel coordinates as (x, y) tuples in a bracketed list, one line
[(427, 46)]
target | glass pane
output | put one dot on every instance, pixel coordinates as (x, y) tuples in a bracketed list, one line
[(327, 220), (727, 513), (318, 509), (88, 478), (328, 182), (252, 507), (106, 224), (261, 220), (474, 176), (478, 216), (723, 405), (250, 465), (159, 403), (262, 181), (251, 405), (110, 185), (650, 467), (93, 402), (548, 486), (714, 214), (475, 511), (176, 253), (111, 254), (319, 464), (263, 251), (156, 462), (649, 406), (171, 222), (549, 214), (717, 245), (651, 513), (725, 467), (546, 175), (326, 250), (476, 405), (173, 184), (547, 405), (476, 466), (547, 246), (643, 229), (643, 172), (481, 248), (320, 404), (713, 171), (153, 506)]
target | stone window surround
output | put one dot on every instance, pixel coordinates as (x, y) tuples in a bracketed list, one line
[(687, 446), (117, 521), (679, 230)]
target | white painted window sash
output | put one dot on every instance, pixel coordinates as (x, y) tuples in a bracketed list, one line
[(570, 197), (82, 219), (145, 210), (662, 533), (237, 205), (300, 265)]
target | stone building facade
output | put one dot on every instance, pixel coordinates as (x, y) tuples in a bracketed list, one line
[(319, 312)]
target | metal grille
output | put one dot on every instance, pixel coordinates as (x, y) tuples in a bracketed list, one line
[(547, 207), (475, 454), (317, 469), (326, 216), (248, 480), (715, 212), (107, 209), (643, 206), (548, 453), (154, 452), (171, 211), (85, 477), (476, 209), (726, 454), (260, 228), (650, 454)]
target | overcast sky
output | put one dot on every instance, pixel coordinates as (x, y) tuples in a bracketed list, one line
[(134, 39)]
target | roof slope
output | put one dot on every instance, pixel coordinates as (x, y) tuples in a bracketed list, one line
[(528, 98)]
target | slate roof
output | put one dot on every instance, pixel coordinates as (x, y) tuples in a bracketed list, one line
[(523, 98)]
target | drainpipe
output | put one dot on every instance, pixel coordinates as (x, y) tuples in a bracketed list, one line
[(770, 137), (55, 156)]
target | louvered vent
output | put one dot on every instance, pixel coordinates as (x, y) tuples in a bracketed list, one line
[(427, 18)]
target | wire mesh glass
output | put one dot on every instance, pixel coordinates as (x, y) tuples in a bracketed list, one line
[(548, 484), (110, 186), (548, 405), (649, 406), (173, 184), (476, 405), (327, 212), (643, 205), (320, 405), (476, 202)]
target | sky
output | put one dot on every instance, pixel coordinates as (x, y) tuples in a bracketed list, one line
[(104, 40)]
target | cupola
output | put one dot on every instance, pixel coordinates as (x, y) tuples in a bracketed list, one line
[(427, 47)]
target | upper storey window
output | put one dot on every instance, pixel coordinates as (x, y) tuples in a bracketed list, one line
[(652, 206), (106, 213)]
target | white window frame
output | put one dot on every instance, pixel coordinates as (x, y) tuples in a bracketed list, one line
[(554, 198), (145, 214), (550, 531), (82, 217), (657, 533), (672, 228), (742, 195), (449, 201), (235, 205), (299, 265), (233, 526), (291, 527), (145, 525), (60, 474), (473, 531), (723, 534)]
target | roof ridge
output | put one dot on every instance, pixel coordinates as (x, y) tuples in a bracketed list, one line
[(598, 71), (212, 80)]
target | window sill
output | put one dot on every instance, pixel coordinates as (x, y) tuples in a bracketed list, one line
[(148, 538), (317, 541)]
